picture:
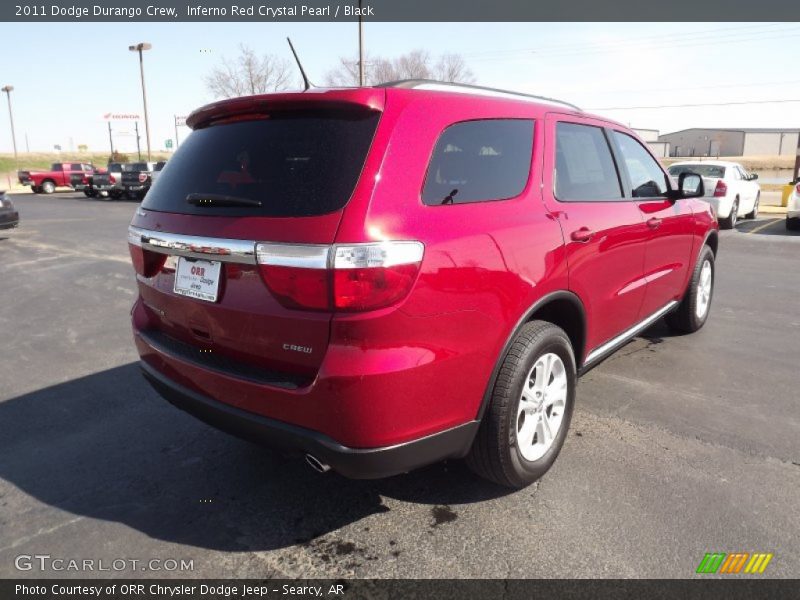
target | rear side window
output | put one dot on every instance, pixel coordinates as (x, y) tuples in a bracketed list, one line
[(585, 168), (647, 178), (293, 164), (475, 161), (76, 167)]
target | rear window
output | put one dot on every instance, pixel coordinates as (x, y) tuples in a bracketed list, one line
[(476, 161), (700, 169), (294, 164), (114, 167), (139, 167)]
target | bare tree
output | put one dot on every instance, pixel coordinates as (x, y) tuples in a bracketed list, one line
[(249, 74), (453, 68), (417, 64)]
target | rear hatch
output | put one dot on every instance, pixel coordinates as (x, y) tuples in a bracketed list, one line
[(282, 177)]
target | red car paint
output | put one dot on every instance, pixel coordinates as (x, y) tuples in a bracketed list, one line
[(377, 378)]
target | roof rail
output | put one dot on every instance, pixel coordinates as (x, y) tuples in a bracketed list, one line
[(444, 86)]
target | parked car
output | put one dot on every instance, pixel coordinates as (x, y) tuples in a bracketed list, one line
[(9, 217), (408, 273), (728, 186), (136, 179), (109, 184), (157, 170), (793, 209), (71, 175)]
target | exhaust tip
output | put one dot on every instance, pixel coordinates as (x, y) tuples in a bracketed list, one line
[(317, 464)]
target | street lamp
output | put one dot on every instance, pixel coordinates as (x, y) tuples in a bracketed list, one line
[(140, 47), (8, 89)]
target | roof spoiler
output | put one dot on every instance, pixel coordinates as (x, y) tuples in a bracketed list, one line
[(364, 98)]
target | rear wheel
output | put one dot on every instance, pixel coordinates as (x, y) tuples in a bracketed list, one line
[(793, 224), (693, 310), (36, 189), (754, 213), (48, 187), (115, 195), (526, 422), (730, 222)]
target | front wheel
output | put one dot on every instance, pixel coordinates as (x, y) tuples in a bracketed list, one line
[(693, 310), (526, 422)]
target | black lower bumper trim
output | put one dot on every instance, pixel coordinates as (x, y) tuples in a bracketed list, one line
[(356, 463)]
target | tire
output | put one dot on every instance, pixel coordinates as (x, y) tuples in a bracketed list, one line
[(754, 213), (48, 187), (497, 453), (115, 195), (36, 189), (730, 222), (89, 193), (693, 310), (792, 224)]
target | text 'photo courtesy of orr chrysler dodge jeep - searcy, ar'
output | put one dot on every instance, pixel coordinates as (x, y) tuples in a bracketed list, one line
[(380, 278)]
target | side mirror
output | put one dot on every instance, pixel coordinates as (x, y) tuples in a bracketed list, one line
[(690, 185), (753, 176)]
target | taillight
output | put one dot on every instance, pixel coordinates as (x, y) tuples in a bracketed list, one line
[(142, 177), (346, 277), (112, 179), (797, 189), (721, 190), (145, 263)]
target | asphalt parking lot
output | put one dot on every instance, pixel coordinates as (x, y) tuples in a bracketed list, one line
[(679, 445)]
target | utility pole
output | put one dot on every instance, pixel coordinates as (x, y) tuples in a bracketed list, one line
[(360, 46), (138, 148), (8, 89), (110, 139), (140, 47), (176, 131), (797, 161)]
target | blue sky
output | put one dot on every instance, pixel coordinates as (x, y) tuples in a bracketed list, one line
[(67, 75)]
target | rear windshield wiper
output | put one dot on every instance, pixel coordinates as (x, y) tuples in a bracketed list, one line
[(220, 200)]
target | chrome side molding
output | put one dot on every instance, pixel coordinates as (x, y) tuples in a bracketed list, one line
[(613, 343)]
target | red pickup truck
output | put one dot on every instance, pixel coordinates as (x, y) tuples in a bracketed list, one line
[(72, 175)]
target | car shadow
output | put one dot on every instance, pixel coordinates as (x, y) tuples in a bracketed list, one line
[(771, 226), (107, 447)]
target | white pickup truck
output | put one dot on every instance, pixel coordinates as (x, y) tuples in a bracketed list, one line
[(730, 189)]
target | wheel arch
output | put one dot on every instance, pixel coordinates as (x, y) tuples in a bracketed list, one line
[(562, 308)]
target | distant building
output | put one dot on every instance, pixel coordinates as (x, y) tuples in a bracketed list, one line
[(650, 136), (732, 142)]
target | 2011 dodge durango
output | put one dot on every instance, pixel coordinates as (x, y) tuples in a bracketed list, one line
[(384, 277)]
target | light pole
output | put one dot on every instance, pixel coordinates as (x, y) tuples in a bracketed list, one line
[(8, 89), (140, 47)]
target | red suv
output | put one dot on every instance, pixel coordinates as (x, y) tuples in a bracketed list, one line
[(381, 278)]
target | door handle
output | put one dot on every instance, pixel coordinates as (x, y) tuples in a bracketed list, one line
[(584, 234), (654, 222)]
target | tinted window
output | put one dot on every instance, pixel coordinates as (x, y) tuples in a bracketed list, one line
[(647, 178), (76, 167), (139, 167), (584, 165), (480, 160), (57, 167), (701, 169), (295, 164), (114, 167)]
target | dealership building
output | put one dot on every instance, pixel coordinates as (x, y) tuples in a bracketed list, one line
[(731, 142)]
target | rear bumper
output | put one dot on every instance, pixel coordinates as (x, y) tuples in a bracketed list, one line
[(356, 463)]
